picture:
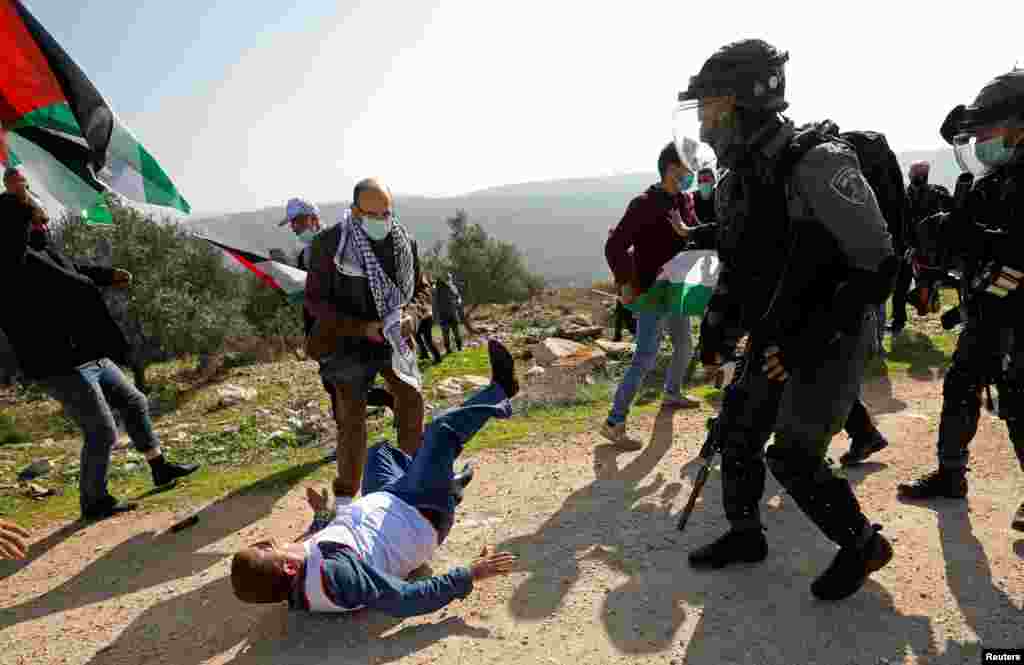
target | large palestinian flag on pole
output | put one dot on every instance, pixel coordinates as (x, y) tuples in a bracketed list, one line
[(683, 286), (289, 281), (61, 132)]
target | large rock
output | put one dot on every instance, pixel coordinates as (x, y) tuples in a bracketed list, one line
[(554, 348), (230, 395)]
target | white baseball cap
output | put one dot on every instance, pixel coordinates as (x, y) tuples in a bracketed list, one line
[(298, 207)]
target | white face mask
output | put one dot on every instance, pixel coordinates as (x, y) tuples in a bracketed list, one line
[(306, 237)]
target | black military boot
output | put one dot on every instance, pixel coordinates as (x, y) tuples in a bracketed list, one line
[(746, 546), (851, 566), (945, 483), (863, 447), (1018, 519)]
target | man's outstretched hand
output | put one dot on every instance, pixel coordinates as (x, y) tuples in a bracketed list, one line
[(12, 541), (492, 564)]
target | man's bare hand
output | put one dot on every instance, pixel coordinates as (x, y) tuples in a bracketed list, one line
[(773, 365), (713, 370), (318, 501), (12, 541), (677, 223), (408, 326), (121, 279), (492, 564), (375, 331)]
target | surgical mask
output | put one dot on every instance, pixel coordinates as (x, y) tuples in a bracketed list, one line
[(706, 188), (376, 229), (306, 237), (684, 182), (993, 152)]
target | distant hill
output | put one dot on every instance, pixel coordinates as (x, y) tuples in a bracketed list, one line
[(560, 225)]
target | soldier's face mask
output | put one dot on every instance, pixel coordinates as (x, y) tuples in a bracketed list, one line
[(986, 149)]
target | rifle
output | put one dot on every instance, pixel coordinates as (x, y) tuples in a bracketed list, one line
[(707, 453)]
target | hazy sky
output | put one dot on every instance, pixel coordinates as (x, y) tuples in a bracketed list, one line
[(247, 103)]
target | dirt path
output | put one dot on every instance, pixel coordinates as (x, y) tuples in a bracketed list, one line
[(604, 576)]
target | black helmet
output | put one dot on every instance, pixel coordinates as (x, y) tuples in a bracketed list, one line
[(1002, 99), (752, 70)]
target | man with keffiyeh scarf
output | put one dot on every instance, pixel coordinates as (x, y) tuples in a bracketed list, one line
[(367, 293)]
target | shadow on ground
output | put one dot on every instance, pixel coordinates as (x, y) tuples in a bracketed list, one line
[(762, 613), (151, 558), (210, 622)]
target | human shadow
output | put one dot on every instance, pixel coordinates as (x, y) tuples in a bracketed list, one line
[(761, 613), (992, 614), (877, 390), (603, 517), (210, 621), (152, 558), (921, 354), (37, 549)]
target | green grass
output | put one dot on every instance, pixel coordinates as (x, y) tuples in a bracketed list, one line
[(238, 447)]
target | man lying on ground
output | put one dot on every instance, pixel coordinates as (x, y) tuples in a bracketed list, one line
[(360, 556)]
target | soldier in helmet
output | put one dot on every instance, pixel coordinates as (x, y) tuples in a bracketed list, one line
[(797, 214), (984, 239)]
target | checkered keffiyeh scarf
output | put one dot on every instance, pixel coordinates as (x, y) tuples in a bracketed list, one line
[(389, 295)]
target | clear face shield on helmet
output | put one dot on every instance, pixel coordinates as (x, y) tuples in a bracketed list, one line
[(686, 133), (984, 149)]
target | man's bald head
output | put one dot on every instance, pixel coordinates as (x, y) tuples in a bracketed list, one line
[(373, 197)]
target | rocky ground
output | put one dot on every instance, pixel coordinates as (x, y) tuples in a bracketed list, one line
[(603, 575)]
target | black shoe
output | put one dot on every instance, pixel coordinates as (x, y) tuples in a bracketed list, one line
[(503, 368), (944, 483), (462, 479), (165, 473), (746, 546), (1018, 519), (108, 507), (863, 447), (851, 566)]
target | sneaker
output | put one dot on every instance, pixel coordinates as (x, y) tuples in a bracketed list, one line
[(851, 566), (1018, 519), (617, 435), (680, 402), (863, 447), (462, 479), (746, 546), (943, 483)]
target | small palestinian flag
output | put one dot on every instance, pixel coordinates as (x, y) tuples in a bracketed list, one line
[(683, 286), (280, 276), (62, 134)]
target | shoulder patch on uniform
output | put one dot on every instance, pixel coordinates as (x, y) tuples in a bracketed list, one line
[(849, 184)]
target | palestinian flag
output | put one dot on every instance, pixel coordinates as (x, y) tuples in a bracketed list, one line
[(61, 132), (683, 285), (280, 276)]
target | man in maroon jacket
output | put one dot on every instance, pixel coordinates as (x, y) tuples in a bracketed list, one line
[(654, 229)]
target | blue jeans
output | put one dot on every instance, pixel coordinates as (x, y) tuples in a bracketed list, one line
[(88, 394), (425, 481), (648, 338)]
